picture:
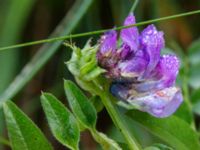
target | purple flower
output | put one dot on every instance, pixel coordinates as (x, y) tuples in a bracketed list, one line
[(134, 67), (130, 36), (141, 76), (107, 55), (151, 41), (108, 43), (159, 103)]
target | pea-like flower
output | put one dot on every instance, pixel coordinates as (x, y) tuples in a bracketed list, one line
[(140, 76)]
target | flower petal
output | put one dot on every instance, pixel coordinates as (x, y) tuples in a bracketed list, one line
[(167, 70), (133, 67), (160, 104), (152, 42), (130, 36), (146, 86), (107, 54), (125, 52), (163, 76), (120, 90), (108, 43)]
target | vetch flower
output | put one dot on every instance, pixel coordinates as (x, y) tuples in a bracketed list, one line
[(152, 42), (159, 103), (140, 76), (130, 36), (107, 55)]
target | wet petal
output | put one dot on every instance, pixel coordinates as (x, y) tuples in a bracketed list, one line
[(152, 42), (107, 54), (133, 67), (167, 70), (149, 85), (125, 52), (130, 36), (108, 43), (160, 104)]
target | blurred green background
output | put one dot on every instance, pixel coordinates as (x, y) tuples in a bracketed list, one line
[(28, 20)]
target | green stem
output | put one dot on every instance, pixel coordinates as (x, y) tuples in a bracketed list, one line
[(186, 89), (186, 94), (97, 32), (119, 121), (185, 82), (134, 6)]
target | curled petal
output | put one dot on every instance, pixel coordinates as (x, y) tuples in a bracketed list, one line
[(133, 67), (160, 104), (163, 76), (152, 42), (107, 55), (167, 70), (125, 52), (108, 43), (149, 85), (130, 35)]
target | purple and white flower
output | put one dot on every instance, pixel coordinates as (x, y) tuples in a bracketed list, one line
[(140, 75)]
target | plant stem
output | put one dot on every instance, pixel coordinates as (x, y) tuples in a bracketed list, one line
[(98, 31), (186, 89), (134, 6), (119, 121)]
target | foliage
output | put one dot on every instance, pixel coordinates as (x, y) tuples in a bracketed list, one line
[(84, 108)]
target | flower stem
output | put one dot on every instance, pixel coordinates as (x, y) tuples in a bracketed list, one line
[(134, 6), (119, 121), (98, 31), (186, 89)]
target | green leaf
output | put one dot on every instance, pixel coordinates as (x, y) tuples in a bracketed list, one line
[(184, 112), (194, 52), (196, 108), (152, 148), (105, 141), (80, 105), (14, 19), (194, 74), (158, 146), (195, 96), (174, 131), (195, 99), (62, 123), (86, 114), (23, 133)]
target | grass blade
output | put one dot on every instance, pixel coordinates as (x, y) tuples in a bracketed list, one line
[(47, 50)]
